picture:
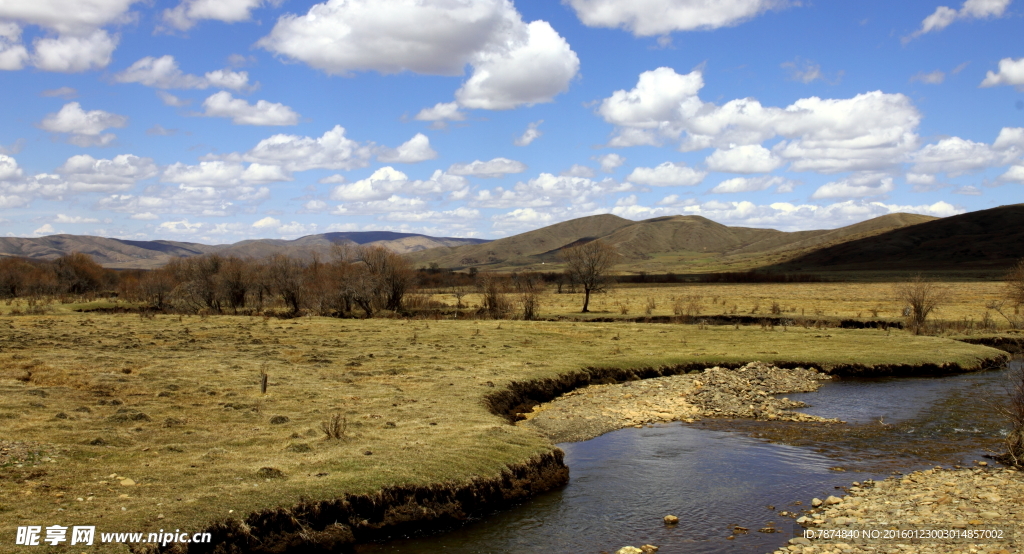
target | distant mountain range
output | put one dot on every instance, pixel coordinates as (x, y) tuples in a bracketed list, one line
[(135, 254), (985, 240)]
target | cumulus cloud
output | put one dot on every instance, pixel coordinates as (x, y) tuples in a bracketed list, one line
[(85, 128), (523, 218), (749, 158), (872, 130), (171, 100), (387, 182), (13, 54), (415, 150), (164, 73), (531, 134), (61, 218), (659, 17), (498, 167), (74, 54), (956, 156), (392, 204), (66, 93), (221, 174), (185, 15), (9, 169), (610, 162), (753, 184), (46, 229), (944, 16), (332, 150), (223, 104), (858, 185), (514, 63), (83, 173), (667, 174), (183, 199), (1015, 174), (441, 112), (66, 16), (1011, 72), (548, 190), (448, 217)]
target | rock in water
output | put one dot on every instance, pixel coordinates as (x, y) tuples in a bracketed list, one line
[(671, 520), (629, 550)]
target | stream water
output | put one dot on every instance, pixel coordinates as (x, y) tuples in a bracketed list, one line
[(718, 474)]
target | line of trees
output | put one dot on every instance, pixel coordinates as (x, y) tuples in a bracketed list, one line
[(72, 274)]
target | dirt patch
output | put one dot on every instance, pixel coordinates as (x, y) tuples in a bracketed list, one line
[(338, 525)]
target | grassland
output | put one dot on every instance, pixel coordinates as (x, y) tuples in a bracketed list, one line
[(173, 404)]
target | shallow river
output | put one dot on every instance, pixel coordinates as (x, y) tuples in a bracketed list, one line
[(716, 475)]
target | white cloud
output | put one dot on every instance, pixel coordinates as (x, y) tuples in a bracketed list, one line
[(10, 201), (449, 217), (46, 229), (9, 169), (531, 134), (387, 182), (750, 158), (61, 218), (391, 204), (944, 16), (498, 167), (84, 127), (610, 162), (221, 174), (13, 54), (164, 73), (1011, 72), (873, 130), (206, 201), (957, 156), (753, 184), (182, 227), (548, 190), (1015, 174), (806, 71), (267, 222), (514, 63), (185, 15), (222, 104), (144, 216), (968, 190), (66, 16), (441, 112), (332, 150), (333, 179), (523, 217), (83, 173), (934, 78), (578, 170), (858, 185), (315, 206), (73, 54), (1009, 137), (533, 72), (415, 150), (660, 17), (667, 174)]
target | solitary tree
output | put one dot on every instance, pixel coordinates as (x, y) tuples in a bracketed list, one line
[(919, 297), (1015, 284), (586, 265)]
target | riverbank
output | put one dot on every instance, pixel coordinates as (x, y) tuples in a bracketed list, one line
[(746, 392), (146, 423), (945, 499)]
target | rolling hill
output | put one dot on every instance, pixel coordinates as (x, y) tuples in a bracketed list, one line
[(681, 244), (132, 254), (985, 240)]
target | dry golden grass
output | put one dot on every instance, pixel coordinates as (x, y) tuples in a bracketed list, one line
[(408, 395), (968, 300)]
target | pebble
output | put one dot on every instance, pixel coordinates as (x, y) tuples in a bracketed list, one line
[(933, 498), (671, 520)]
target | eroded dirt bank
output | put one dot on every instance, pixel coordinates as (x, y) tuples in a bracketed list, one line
[(745, 392), (948, 499), (338, 525)]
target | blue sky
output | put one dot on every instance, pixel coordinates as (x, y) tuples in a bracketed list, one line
[(221, 120)]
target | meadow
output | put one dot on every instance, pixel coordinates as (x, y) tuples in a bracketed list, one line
[(143, 422)]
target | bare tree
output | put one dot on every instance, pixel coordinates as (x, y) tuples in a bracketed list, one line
[(587, 265), (1015, 284), (285, 277), (919, 298), (391, 274)]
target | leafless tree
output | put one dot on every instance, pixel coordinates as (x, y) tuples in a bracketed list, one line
[(587, 265), (390, 274), (284, 274), (919, 298)]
